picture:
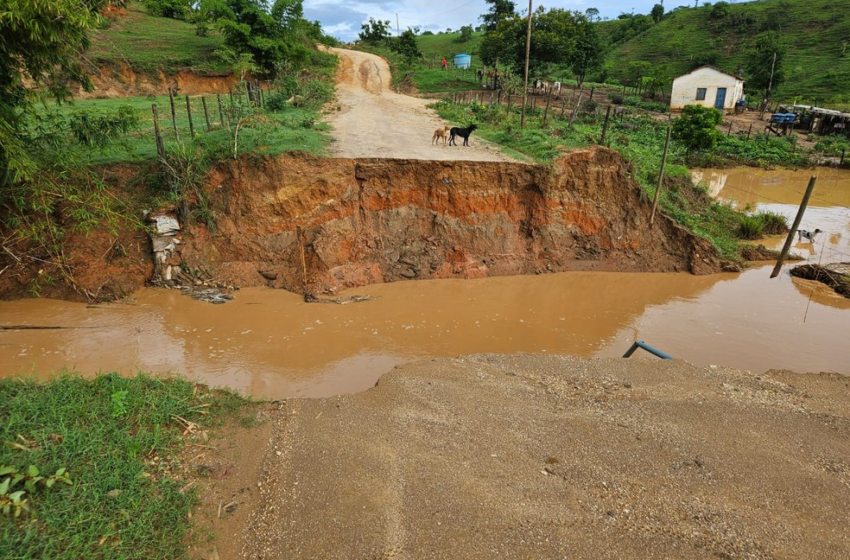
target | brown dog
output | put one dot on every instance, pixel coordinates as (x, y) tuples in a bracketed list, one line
[(440, 133)]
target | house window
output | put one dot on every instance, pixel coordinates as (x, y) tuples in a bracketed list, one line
[(701, 94)]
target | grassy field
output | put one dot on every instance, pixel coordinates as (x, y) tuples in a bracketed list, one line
[(435, 47), (817, 33), (116, 439), (266, 133), (147, 44)]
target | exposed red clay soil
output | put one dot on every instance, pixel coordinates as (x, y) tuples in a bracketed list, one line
[(356, 222), (123, 81)]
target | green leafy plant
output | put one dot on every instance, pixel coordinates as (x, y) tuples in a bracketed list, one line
[(12, 501)]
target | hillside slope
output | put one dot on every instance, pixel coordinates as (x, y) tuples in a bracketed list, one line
[(817, 34), (147, 43)]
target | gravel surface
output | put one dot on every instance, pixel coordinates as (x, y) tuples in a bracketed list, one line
[(373, 121), (535, 456)]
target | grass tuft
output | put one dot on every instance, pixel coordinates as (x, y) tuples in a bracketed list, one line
[(117, 438)]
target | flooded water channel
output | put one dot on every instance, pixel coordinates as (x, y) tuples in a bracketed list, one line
[(271, 344)]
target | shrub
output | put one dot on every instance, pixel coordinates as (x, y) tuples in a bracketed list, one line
[(750, 227), (772, 222)]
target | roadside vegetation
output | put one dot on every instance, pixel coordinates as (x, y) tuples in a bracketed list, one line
[(48, 143), (88, 468)]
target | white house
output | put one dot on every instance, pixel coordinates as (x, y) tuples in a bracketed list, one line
[(707, 86)]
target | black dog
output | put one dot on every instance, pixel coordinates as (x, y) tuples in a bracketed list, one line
[(463, 133)]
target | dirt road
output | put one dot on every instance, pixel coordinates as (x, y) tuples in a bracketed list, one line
[(545, 457), (374, 121)]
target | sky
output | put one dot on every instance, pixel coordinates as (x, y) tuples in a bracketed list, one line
[(343, 19)]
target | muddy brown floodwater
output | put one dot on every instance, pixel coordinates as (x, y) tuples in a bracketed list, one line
[(268, 343)]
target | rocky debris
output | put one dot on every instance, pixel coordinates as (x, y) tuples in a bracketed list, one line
[(834, 275), (310, 297), (170, 270)]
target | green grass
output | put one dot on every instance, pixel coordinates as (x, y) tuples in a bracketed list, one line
[(293, 129), (435, 47), (817, 64), (147, 43), (117, 438)]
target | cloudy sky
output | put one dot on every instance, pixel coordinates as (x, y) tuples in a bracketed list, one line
[(342, 19)]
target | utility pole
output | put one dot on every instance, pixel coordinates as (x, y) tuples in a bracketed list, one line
[(797, 220), (525, 80), (397, 28), (769, 87)]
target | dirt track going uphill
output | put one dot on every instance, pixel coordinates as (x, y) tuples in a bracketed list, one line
[(376, 122)]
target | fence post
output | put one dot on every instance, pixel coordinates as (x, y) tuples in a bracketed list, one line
[(575, 109), (592, 88), (189, 112), (222, 122), (660, 175), (546, 110), (729, 132), (605, 125), (173, 114), (160, 147), (206, 113), (750, 131), (842, 156)]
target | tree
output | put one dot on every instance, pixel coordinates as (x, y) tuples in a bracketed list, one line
[(592, 13), (39, 55), (249, 27), (657, 12), (589, 54), (465, 34), (696, 128), (499, 10), (407, 46), (553, 39), (764, 62), (176, 9), (375, 32)]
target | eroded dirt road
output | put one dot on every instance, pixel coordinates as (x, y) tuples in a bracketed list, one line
[(374, 121), (545, 457)]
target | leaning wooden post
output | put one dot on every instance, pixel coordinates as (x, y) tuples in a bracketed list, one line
[(592, 88), (797, 220), (729, 132), (173, 114), (546, 110), (189, 112), (206, 113), (220, 110), (750, 131), (160, 147), (605, 125), (842, 156), (660, 175)]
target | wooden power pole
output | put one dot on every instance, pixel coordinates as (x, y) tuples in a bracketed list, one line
[(797, 220), (525, 80)]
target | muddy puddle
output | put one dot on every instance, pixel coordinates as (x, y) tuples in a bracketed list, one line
[(271, 344)]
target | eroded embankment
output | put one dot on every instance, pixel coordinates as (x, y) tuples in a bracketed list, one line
[(316, 225)]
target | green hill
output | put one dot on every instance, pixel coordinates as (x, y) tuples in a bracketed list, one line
[(148, 43), (434, 47), (816, 32)]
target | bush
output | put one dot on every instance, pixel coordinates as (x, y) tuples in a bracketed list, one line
[(772, 222), (276, 101), (750, 227)]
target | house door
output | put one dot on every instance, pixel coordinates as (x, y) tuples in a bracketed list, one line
[(721, 98)]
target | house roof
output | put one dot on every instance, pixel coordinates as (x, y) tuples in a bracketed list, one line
[(712, 68)]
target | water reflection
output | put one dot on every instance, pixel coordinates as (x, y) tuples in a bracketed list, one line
[(271, 344)]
